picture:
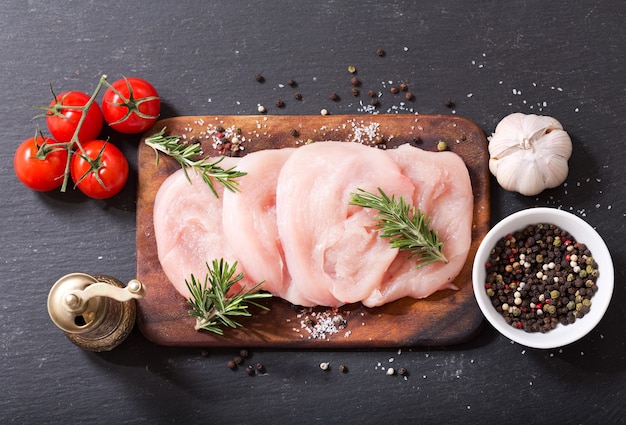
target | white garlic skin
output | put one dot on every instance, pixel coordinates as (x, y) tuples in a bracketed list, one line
[(529, 153)]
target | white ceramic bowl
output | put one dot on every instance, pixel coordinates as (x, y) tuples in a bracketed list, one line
[(582, 232)]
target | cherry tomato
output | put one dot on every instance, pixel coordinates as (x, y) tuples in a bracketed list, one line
[(40, 169), (62, 121), (131, 106), (100, 171)]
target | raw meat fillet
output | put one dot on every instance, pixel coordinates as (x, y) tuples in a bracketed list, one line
[(250, 226), (292, 227), (188, 227), (332, 249), (443, 191)]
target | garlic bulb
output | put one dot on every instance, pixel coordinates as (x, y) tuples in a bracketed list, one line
[(529, 153)]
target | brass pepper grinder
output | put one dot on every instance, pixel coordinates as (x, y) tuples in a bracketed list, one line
[(97, 312)]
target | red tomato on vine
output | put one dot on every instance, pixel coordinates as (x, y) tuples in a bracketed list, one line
[(131, 105), (100, 171), (63, 116), (38, 165)]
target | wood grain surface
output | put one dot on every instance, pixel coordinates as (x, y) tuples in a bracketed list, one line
[(446, 317)]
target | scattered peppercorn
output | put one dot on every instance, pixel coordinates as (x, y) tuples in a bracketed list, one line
[(292, 83), (294, 132), (261, 109), (244, 353), (297, 96), (404, 87), (250, 370), (238, 359), (380, 52), (391, 371), (343, 369), (324, 366), (532, 278), (334, 96), (324, 112), (371, 93), (279, 103), (374, 102), (355, 81), (394, 90), (442, 146), (259, 78), (260, 368), (402, 372), (355, 91), (409, 96), (351, 69), (219, 129), (231, 365), (450, 104)]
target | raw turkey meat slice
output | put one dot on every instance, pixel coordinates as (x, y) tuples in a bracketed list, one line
[(332, 249), (250, 225), (188, 227), (443, 191)]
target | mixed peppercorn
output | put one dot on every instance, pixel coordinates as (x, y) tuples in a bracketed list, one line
[(539, 277)]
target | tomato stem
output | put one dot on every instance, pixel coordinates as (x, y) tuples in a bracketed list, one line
[(74, 140)]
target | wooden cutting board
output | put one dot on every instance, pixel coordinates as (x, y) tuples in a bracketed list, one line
[(446, 317)]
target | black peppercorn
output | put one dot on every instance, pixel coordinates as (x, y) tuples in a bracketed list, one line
[(371, 93), (355, 91), (250, 370), (380, 52), (355, 81), (343, 369), (297, 96), (394, 89), (259, 78), (334, 96), (404, 87), (408, 96), (244, 353), (231, 365), (238, 360), (260, 368), (450, 104), (294, 132), (279, 103), (292, 83), (402, 371)]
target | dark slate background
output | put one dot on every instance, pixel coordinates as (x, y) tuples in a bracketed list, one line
[(561, 58)]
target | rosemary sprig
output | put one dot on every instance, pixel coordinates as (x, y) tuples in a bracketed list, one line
[(187, 154), (407, 228), (212, 307)]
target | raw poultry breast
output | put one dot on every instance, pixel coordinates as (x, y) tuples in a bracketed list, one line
[(291, 224)]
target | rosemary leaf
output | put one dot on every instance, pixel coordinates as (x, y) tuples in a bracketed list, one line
[(406, 227), (187, 154), (210, 303)]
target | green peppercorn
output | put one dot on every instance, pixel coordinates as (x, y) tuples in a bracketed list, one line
[(586, 302), (554, 294), (571, 305)]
